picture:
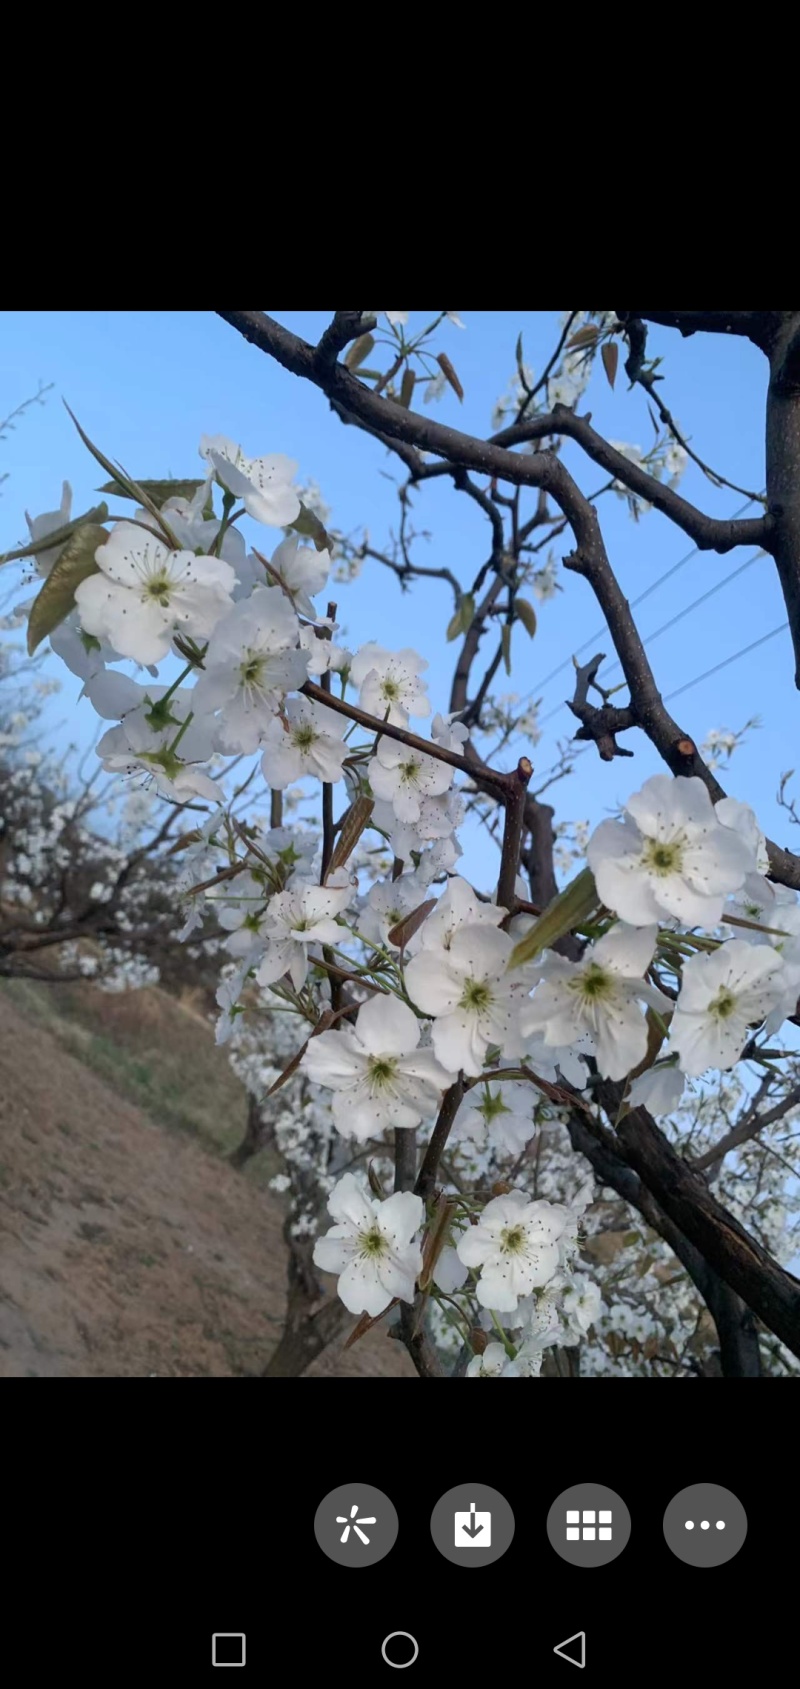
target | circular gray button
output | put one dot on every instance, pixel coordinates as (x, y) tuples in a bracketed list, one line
[(588, 1525), (472, 1525), (356, 1525), (705, 1525), (403, 1636)]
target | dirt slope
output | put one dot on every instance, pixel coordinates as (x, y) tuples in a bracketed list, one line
[(127, 1249)]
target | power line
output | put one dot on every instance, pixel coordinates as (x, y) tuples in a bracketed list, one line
[(726, 662), (635, 602), (687, 610)]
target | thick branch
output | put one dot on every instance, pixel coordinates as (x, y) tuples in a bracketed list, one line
[(757, 326), (710, 533), (512, 834)]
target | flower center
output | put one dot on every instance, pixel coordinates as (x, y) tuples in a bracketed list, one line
[(390, 689), (593, 983), (662, 858), (492, 1106), (304, 737), (373, 1243), (410, 770), (252, 669), (513, 1240), (723, 1005), (476, 995), (158, 587), (381, 1071)]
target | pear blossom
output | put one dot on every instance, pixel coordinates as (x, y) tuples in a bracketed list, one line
[(723, 994), (581, 1306), (599, 995), (659, 1089), (403, 777), (493, 1363), (264, 484), (500, 1114), (84, 655), (743, 820), (449, 732), (396, 318), (242, 910), (390, 685), (323, 655), (302, 572), (515, 1244), (457, 907), (252, 661), (388, 903), (303, 915), (449, 1273), (373, 1246), (144, 594), (467, 988), (765, 905), (306, 739), (376, 1071), (143, 744), (669, 856), (48, 523), (555, 1062)]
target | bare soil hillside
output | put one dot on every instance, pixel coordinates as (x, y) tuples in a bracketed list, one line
[(128, 1247)]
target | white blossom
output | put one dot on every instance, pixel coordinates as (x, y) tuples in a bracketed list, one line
[(467, 988), (302, 572), (144, 594), (515, 1244), (48, 523), (389, 682), (251, 663), (670, 856), (581, 1306), (659, 1089), (373, 1246), (264, 484), (302, 915), (723, 995), (306, 739), (376, 1070), (598, 995), (493, 1363), (403, 777), (500, 1115)]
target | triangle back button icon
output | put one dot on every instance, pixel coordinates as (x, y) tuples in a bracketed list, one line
[(573, 1649)]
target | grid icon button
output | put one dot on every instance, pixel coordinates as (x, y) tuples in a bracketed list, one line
[(584, 1526)]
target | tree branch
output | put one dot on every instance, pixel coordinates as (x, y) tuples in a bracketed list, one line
[(746, 1129)]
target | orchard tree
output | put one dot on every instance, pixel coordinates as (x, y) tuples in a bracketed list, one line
[(553, 1127)]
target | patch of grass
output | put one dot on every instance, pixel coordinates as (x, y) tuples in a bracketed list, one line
[(147, 1048)]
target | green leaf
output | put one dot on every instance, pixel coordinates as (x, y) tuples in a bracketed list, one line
[(122, 480), (359, 350), (505, 641), (309, 527), (57, 597), (158, 491), (526, 614), (462, 620), (48, 542), (609, 353), (571, 908)]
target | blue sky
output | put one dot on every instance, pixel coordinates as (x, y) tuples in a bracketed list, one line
[(146, 385)]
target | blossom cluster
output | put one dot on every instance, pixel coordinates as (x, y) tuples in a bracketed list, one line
[(653, 992)]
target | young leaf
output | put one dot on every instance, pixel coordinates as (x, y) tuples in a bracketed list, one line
[(57, 596), (359, 350), (462, 620), (449, 374), (407, 387), (609, 353), (505, 641), (367, 1321), (352, 827), (526, 615), (584, 336), (309, 527), (122, 479), (48, 542), (404, 930), (158, 491), (569, 909)]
